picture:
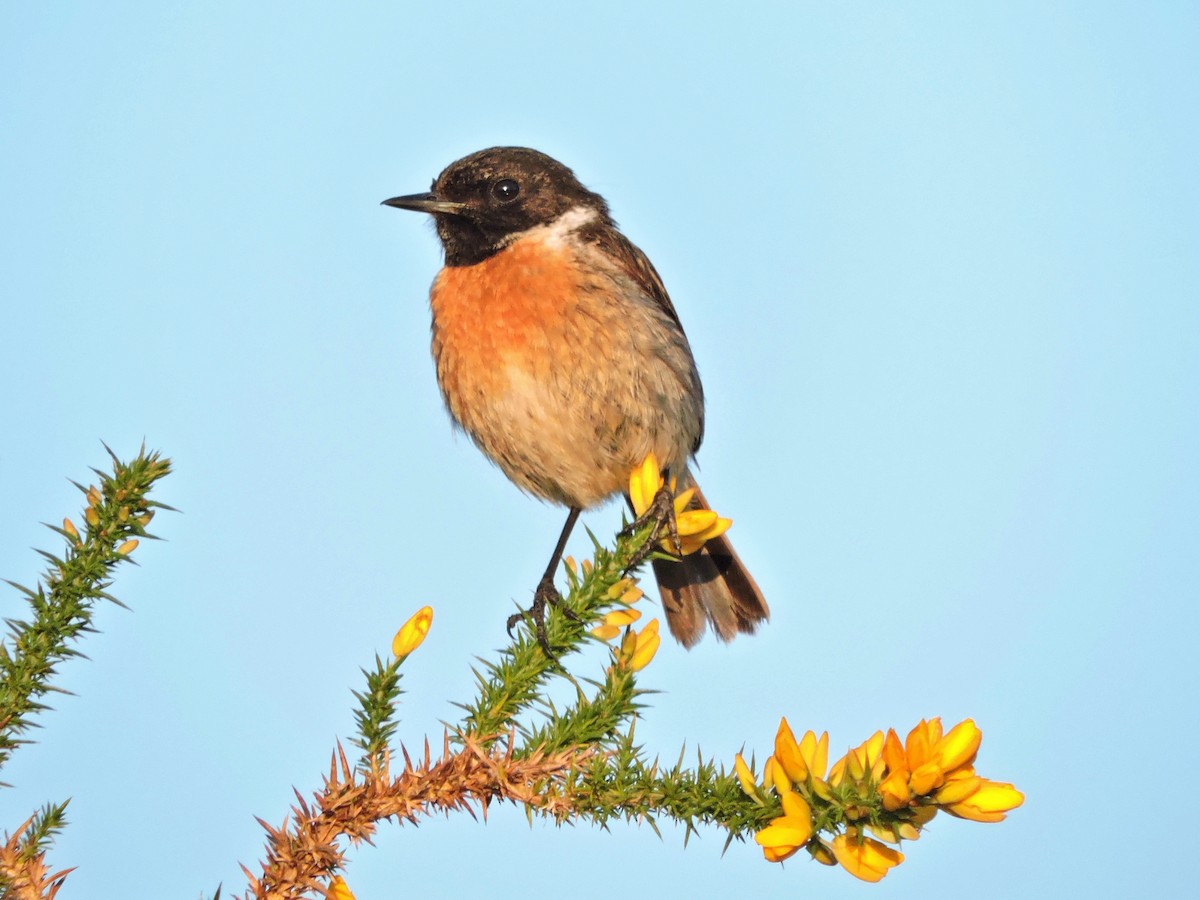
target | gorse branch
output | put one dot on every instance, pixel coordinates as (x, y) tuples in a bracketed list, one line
[(61, 604), (115, 518), (582, 762)]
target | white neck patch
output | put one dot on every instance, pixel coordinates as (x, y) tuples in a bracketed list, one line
[(555, 233)]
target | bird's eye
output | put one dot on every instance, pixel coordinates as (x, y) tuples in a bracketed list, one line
[(505, 190)]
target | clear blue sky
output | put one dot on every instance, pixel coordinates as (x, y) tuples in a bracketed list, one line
[(939, 267)]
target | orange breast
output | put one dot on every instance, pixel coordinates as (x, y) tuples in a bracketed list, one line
[(499, 311)]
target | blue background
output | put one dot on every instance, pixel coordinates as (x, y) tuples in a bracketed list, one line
[(938, 265)]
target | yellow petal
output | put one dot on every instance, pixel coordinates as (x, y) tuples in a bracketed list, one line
[(894, 790), (989, 803), (956, 790), (412, 632), (694, 521), (873, 749), (865, 858), (796, 807), (606, 632), (774, 776), (917, 746), (893, 753), (682, 499), (633, 595), (934, 727), (958, 748), (618, 588), (339, 890), (838, 772), (784, 834), (622, 617), (787, 754), (926, 778), (773, 854), (646, 647), (644, 483), (815, 752)]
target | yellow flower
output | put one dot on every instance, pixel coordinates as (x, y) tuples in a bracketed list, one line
[(639, 648), (865, 857), (990, 801), (787, 833), (412, 632), (339, 890)]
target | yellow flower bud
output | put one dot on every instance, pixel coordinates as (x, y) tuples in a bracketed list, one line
[(822, 853), (128, 547), (745, 776), (412, 632), (93, 517), (69, 528)]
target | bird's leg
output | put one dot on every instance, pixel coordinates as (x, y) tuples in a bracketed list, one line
[(546, 593)]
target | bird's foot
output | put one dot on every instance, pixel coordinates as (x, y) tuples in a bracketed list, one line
[(545, 595), (660, 512)]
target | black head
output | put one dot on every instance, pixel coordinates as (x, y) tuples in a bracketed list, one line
[(483, 200)]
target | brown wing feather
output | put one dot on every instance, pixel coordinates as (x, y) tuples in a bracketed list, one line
[(637, 265)]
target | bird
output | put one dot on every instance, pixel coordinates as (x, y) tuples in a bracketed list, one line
[(558, 351)]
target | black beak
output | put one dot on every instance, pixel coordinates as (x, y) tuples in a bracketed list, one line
[(426, 203)]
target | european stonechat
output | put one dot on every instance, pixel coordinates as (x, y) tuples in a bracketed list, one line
[(560, 353)]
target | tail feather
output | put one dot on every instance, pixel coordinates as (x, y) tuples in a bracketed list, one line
[(709, 587)]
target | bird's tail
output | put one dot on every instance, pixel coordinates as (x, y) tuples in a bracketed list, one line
[(709, 586)]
